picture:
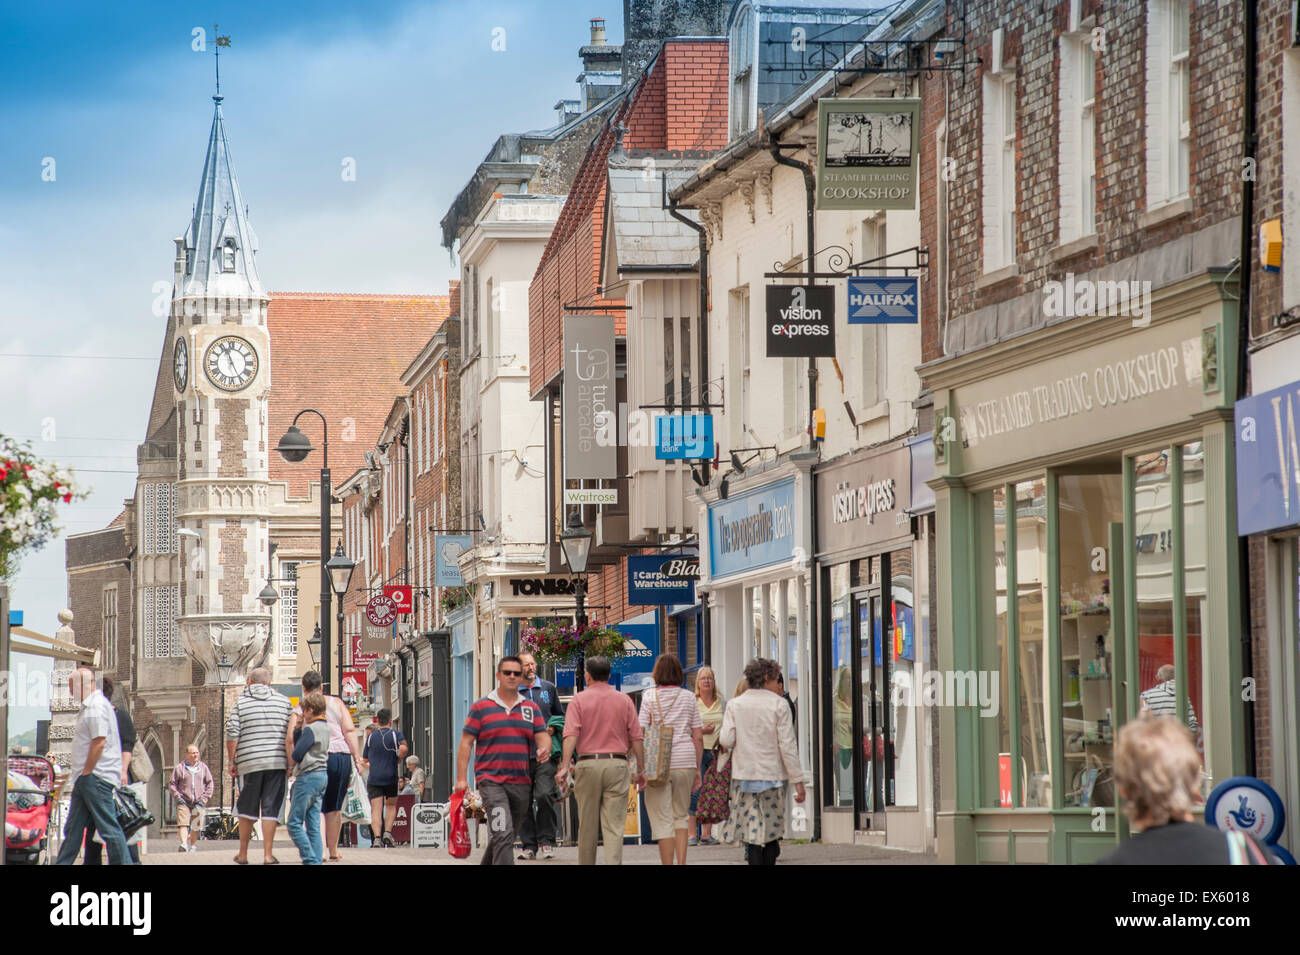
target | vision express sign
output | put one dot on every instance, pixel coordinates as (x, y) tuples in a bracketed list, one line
[(800, 321)]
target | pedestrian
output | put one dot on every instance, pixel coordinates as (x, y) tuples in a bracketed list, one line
[(503, 729), (758, 730), (255, 732), (414, 779), (385, 748), (97, 755), (1158, 771), (785, 695), (344, 754), (710, 705), (1161, 699), (127, 735), (601, 727), (191, 786), (307, 747), (540, 823), (668, 801)]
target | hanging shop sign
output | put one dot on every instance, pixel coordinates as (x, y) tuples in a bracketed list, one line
[(575, 496), (800, 321), (381, 611), (401, 596), (354, 683), (867, 152), (447, 549), (754, 529), (659, 579), (369, 649), (588, 394), (884, 300), (681, 437), (1268, 460)]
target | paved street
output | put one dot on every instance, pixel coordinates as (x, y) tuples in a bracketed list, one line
[(221, 853)]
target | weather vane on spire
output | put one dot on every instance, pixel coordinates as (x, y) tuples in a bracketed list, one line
[(216, 51)]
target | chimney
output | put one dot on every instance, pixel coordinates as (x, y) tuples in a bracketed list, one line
[(453, 297), (597, 31)]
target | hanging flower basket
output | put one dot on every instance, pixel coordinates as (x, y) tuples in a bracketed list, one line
[(30, 492), (561, 644), (453, 597)]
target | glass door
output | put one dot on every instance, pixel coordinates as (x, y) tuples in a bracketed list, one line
[(873, 752)]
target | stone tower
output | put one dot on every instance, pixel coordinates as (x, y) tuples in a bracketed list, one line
[(221, 370)]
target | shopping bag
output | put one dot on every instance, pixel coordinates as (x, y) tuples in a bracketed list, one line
[(714, 803), (131, 811), (356, 808), (658, 745), (457, 827)]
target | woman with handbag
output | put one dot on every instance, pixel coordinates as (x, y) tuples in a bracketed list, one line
[(673, 739), (710, 704), (759, 733)]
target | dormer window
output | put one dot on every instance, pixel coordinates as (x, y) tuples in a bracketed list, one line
[(228, 255), (743, 87)]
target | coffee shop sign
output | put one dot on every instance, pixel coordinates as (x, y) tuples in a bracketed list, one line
[(1109, 385)]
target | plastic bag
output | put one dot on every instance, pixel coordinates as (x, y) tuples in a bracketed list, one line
[(457, 827), (356, 808)]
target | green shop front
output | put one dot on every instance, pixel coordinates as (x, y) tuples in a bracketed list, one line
[(1087, 568)]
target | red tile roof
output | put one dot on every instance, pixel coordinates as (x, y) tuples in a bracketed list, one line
[(680, 102), (342, 354)]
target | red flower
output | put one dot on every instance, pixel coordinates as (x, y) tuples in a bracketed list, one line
[(67, 499)]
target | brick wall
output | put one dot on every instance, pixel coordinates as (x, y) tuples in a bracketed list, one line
[(1032, 45)]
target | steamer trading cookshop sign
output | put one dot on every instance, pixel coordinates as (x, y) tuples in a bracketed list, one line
[(1144, 379), (588, 393), (867, 153)]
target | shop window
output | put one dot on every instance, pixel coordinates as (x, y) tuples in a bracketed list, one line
[(1013, 654), (1169, 504), (1086, 506), (842, 680), (289, 608)]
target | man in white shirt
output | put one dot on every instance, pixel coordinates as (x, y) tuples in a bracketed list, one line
[(97, 757)]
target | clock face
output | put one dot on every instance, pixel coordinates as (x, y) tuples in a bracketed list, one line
[(231, 363), (181, 364)]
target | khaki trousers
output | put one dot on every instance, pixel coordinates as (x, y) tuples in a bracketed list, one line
[(601, 786)]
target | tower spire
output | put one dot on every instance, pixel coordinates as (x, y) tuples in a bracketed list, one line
[(216, 55)]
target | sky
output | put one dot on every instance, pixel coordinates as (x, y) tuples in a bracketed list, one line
[(105, 111)]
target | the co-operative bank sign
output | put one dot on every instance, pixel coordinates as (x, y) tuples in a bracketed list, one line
[(883, 300), (754, 529)]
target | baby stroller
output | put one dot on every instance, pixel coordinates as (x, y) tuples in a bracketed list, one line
[(30, 794)]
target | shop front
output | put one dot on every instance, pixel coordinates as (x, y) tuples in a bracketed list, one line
[(874, 753), (756, 592), (1087, 568), (507, 605), (1268, 508)]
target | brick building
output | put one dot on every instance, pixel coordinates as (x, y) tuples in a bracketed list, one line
[(1082, 381)]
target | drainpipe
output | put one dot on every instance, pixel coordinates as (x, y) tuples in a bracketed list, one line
[(1250, 137), (671, 206), (814, 575)]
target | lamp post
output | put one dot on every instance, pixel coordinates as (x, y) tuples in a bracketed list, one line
[(576, 543), (313, 646), (340, 569), (294, 448), (224, 666)]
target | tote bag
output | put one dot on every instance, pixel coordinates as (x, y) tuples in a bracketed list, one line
[(714, 804), (658, 745)]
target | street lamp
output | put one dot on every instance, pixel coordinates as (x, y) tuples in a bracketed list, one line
[(340, 569), (576, 543), (313, 646), (294, 448), (224, 666)]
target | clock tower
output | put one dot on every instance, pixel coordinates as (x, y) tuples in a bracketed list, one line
[(221, 373)]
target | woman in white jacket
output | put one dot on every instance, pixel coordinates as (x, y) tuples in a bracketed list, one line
[(759, 734)]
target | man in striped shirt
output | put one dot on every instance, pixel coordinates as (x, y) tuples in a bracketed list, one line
[(504, 729), (255, 733), (1161, 698)]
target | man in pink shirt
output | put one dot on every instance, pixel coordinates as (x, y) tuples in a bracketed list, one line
[(601, 726)]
